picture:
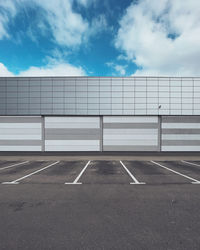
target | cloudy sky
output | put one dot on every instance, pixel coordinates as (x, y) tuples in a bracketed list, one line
[(100, 37)]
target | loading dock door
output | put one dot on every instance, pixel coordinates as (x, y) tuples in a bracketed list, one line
[(130, 133), (180, 133), (72, 133), (20, 133)]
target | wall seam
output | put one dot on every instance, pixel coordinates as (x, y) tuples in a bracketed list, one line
[(43, 133)]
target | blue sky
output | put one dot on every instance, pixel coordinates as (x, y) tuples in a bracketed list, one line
[(99, 37)]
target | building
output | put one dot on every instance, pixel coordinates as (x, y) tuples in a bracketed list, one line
[(99, 114)]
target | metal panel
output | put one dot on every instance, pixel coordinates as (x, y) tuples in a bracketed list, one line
[(130, 133), (72, 133), (20, 133), (180, 133), (100, 96)]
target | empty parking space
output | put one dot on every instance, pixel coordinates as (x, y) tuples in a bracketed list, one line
[(100, 172), (64, 171), (149, 173), (185, 169), (105, 172), (18, 171), (8, 164)]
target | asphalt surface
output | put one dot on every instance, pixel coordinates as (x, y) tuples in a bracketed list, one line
[(105, 211)]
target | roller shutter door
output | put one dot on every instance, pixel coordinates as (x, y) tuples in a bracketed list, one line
[(20, 133), (72, 134), (130, 133), (180, 133)]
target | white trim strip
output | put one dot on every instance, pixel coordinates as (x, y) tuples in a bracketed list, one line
[(194, 181), (35, 172), (130, 174), (191, 163), (16, 164), (79, 176)]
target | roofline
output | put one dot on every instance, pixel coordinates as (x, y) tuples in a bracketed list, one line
[(100, 77)]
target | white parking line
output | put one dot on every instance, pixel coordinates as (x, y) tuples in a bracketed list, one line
[(75, 182), (17, 164), (191, 163), (130, 174), (35, 172), (194, 181)]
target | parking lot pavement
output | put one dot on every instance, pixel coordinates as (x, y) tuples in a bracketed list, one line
[(100, 172), (99, 216), (64, 171), (150, 173), (15, 172), (190, 170), (4, 164), (105, 172), (105, 212)]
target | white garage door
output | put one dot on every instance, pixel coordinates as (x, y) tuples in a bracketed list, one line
[(130, 133), (180, 133), (20, 133), (72, 134)]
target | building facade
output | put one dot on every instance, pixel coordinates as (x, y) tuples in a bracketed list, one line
[(100, 114)]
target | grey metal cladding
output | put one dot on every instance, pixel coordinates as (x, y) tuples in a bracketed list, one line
[(180, 119), (146, 95), (72, 137), (20, 119), (20, 142), (130, 148), (72, 131), (181, 142), (180, 131), (130, 125), (72, 134), (136, 133)]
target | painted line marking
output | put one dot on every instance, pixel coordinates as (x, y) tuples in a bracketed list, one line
[(194, 181), (26, 176), (75, 182), (17, 164), (135, 181), (191, 163)]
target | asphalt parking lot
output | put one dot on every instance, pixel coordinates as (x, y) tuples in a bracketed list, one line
[(99, 204)]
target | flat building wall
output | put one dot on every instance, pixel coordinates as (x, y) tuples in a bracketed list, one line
[(100, 133), (99, 96)]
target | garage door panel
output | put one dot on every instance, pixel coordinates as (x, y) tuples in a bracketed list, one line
[(180, 133), (20, 133), (20, 148), (72, 148), (72, 125), (72, 134), (129, 137), (130, 131), (130, 148), (136, 133), (130, 119)]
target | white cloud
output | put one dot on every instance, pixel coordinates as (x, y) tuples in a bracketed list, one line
[(4, 71), (120, 69), (8, 11), (51, 69), (146, 31), (68, 27), (98, 24), (58, 18)]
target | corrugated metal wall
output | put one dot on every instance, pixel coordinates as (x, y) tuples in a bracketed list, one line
[(72, 134), (20, 133), (130, 133), (180, 133)]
